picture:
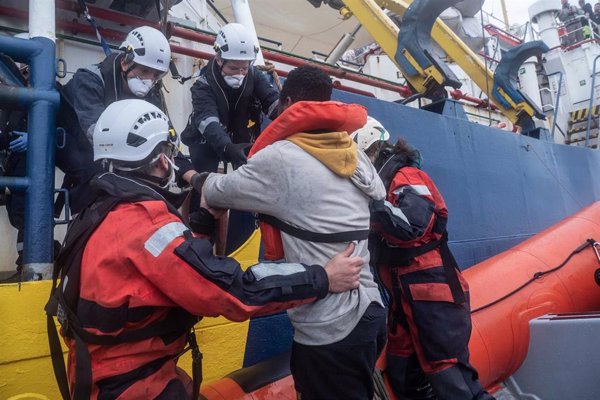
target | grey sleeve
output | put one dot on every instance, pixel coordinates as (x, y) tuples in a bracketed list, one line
[(252, 187)]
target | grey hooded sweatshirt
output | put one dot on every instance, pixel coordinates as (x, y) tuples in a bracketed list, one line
[(317, 185)]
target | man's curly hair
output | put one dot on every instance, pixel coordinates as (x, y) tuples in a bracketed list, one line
[(307, 83)]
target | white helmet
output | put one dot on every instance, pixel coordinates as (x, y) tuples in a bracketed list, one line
[(149, 47), (235, 42), (370, 133), (129, 130)]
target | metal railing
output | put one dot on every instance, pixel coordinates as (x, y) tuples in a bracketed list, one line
[(41, 100), (591, 104)]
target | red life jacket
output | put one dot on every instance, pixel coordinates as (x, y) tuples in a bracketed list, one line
[(304, 116)]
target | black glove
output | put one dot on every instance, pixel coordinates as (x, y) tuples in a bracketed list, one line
[(198, 180), (237, 153), (202, 222)]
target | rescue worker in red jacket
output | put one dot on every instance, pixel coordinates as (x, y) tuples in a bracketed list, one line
[(135, 279), (430, 323)]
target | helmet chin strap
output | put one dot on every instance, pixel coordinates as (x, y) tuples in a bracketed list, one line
[(170, 178)]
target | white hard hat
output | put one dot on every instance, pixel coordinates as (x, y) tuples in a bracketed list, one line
[(235, 42), (149, 47), (129, 130), (370, 133)]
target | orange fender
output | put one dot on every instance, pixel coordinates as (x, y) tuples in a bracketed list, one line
[(500, 336)]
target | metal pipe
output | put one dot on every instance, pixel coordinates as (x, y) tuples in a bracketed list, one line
[(41, 19), (295, 61), (41, 123), (505, 14), (557, 100), (243, 15), (343, 45), (19, 183), (589, 121), (207, 56), (22, 98), (457, 94)]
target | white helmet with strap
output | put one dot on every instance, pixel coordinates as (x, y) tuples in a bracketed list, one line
[(370, 133), (235, 42), (129, 130), (148, 47)]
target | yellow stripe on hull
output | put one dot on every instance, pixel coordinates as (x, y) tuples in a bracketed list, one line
[(25, 365)]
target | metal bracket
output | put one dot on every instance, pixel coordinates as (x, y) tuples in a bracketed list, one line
[(506, 88), (415, 48)]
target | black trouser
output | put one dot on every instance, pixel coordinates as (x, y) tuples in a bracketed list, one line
[(76, 160), (342, 370)]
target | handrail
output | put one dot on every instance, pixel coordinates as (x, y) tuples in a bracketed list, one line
[(589, 120), (41, 100)]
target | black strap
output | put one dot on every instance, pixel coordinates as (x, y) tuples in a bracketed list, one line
[(196, 364), (404, 256), (451, 270), (338, 237), (397, 256), (58, 362), (176, 75), (92, 21), (83, 370)]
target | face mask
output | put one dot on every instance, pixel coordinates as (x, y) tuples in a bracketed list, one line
[(140, 87), (234, 81)]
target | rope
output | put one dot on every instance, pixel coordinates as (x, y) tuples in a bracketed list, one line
[(269, 68), (539, 274)]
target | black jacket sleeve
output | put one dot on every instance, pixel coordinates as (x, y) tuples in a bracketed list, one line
[(206, 116), (406, 220), (266, 93), (85, 94), (218, 286)]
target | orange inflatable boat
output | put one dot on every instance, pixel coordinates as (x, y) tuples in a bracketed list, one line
[(556, 271)]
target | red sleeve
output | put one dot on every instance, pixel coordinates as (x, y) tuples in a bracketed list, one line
[(185, 270)]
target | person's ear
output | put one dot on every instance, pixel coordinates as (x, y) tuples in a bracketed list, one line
[(125, 66), (164, 163), (287, 102)]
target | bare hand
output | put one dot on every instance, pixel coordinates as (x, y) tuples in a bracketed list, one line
[(217, 213), (343, 270)]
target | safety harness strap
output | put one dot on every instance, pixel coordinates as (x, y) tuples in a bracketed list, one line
[(196, 365), (337, 237), (396, 256), (92, 21), (58, 362), (451, 270)]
